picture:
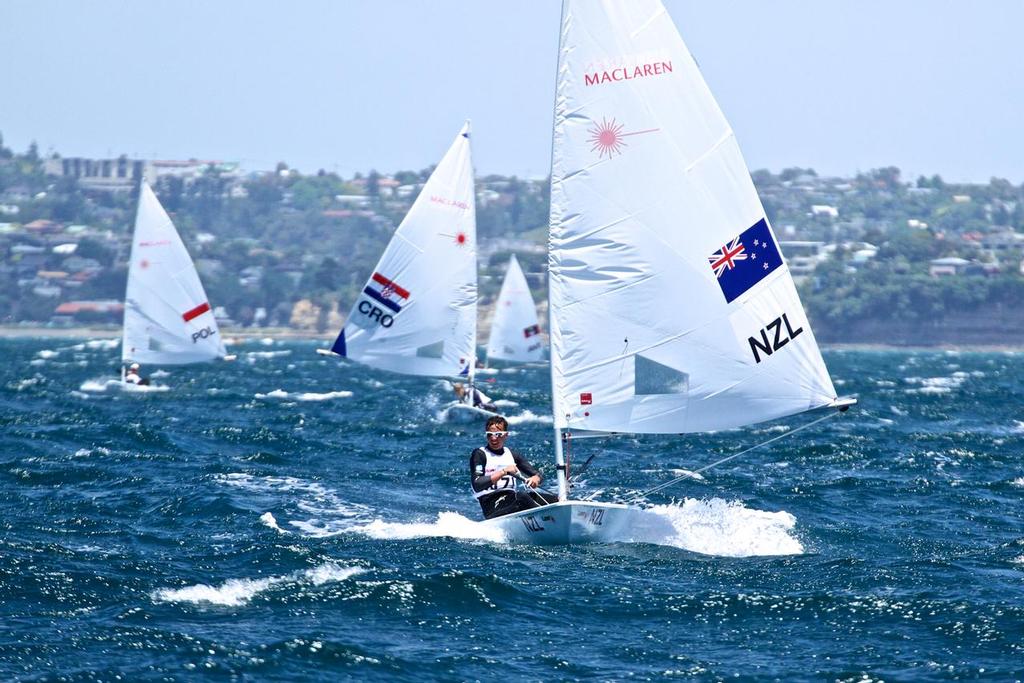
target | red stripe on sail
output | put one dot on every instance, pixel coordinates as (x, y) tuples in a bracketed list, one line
[(196, 312), (391, 285)]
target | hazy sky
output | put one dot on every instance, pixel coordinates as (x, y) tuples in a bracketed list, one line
[(931, 86)]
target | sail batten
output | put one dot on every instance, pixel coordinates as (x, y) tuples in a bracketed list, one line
[(672, 308), (416, 314)]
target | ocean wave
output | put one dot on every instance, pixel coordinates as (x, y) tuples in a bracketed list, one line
[(235, 592), (85, 452), (936, 385), (253, 356), (307, 396), (23, 384), (528, 416)]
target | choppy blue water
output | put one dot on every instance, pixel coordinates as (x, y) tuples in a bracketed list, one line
[(291, 517)]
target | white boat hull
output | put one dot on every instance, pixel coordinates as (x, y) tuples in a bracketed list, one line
[(461, 412), (573, 521)]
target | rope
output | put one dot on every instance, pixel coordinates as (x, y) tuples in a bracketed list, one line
[(690, 475), (530, 491)]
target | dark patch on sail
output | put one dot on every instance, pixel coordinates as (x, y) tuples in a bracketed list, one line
[(435, 350), (651, 378)]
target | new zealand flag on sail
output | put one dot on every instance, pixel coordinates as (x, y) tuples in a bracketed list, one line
[(746, 260)]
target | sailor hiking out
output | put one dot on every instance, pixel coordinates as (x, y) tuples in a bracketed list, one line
[(494, 469)]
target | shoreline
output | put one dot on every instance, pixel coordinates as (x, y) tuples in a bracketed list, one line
[(249, 333), (112, 332)]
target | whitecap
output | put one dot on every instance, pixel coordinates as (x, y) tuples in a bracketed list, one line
[(268, 519), (276, 393), (85, 452), (26, 383), (527, 416), (235, 592), (47, 354), (103, 344), (323, 397), (936, 385), (253, 355)]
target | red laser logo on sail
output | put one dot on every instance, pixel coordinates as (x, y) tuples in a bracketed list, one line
[(460, 238), (606, 138)]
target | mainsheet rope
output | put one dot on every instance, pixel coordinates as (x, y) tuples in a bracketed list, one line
[(689, 475)]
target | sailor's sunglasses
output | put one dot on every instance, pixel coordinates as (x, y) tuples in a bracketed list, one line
[(496, 434)]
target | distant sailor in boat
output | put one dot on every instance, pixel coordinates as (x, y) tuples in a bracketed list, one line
[(480, 399), (493, 469), (133, 376)]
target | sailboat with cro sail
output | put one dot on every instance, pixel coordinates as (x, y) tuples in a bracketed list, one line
[(671, 308), (417, 313), (167, 315)]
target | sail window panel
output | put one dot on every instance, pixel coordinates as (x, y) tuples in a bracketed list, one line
[(435, 350), (653, 379)]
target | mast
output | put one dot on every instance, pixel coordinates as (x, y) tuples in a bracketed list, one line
[(563, 480)]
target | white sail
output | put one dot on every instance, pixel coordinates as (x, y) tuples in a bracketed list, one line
[(671, 307), (417, 313), (515, 330), (167, 317)]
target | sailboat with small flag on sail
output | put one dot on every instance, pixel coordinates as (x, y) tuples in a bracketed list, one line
[(515, 329), (416, 315), (671, 309), (167, 316)]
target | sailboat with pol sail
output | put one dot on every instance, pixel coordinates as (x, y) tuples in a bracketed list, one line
[(671, 308), (416, 314), (167, 315)]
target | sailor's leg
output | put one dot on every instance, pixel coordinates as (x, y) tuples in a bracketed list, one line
[(501, 504)]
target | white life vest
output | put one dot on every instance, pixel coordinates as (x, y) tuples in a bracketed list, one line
[(495, 462), (132, 378)]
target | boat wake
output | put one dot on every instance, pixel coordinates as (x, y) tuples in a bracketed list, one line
[(447, 525), (719, 527), (102, 386)]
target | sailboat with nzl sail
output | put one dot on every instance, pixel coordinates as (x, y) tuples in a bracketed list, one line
[(167, 315), (672, 310), (416, 315)]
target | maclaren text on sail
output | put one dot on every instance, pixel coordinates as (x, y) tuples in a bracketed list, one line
[(625, 73)]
